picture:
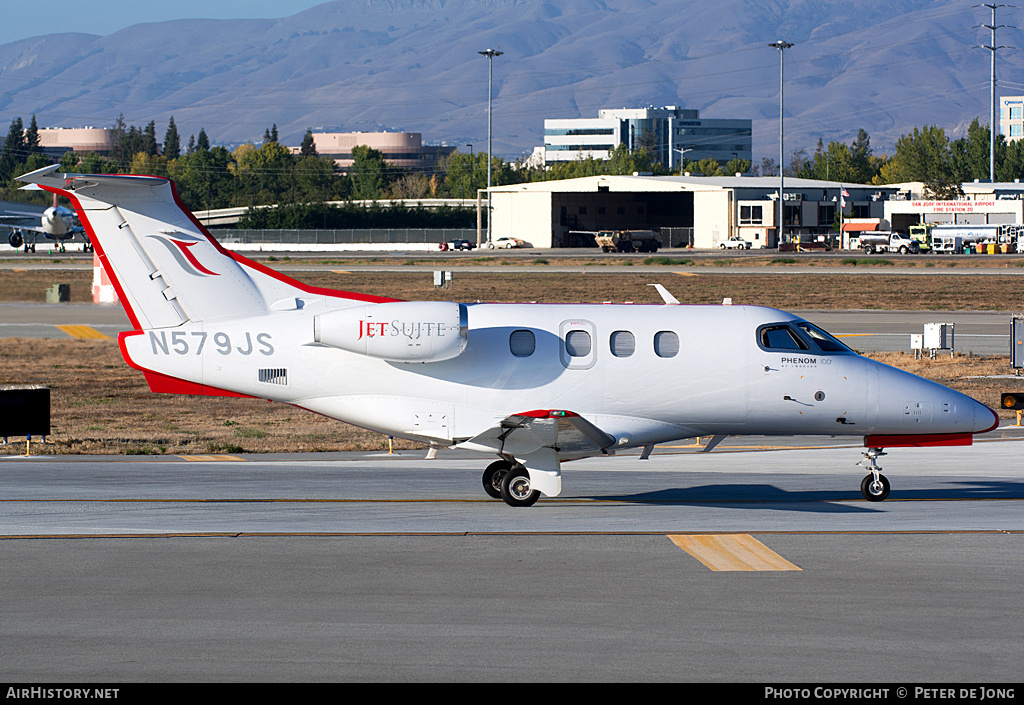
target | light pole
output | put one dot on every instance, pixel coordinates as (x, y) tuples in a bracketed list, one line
[(992, 97), (490, 54), (781, 46)]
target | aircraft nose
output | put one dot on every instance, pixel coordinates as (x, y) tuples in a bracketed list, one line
[(914, 404), (985, 419)]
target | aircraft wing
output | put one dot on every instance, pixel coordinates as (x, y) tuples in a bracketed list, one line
[(21, 215), (565, 432)]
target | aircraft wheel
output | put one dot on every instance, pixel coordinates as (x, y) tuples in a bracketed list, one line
[(493, 475), (874, 491), (516, 489)]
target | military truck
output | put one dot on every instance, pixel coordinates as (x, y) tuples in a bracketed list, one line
[(627, 240)]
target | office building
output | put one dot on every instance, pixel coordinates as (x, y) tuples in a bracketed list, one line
[(673, 135)]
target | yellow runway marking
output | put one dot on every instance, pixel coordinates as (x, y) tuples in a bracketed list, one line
[(731, 552), (82, 332), (209, 458)]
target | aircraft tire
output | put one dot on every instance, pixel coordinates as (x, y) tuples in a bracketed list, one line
[(493, 475), (872, 493), (515, 488)]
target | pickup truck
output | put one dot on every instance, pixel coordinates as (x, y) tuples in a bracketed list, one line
[(735, 243)]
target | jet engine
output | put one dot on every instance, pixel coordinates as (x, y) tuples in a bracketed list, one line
[(401, 331)]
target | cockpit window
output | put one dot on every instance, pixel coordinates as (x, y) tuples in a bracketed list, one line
[(823, 340), (781, 337), (798, 335)]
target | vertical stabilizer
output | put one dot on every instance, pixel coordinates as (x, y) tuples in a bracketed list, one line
[(166, 268)]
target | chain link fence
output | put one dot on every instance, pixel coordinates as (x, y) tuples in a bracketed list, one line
[(379, 236)]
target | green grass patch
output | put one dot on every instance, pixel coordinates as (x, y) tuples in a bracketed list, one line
[(667, 261), (867, 262)]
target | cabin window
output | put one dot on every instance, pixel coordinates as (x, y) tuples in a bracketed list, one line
[(522, 343), (577, 343), (666, 344), (622, 343)]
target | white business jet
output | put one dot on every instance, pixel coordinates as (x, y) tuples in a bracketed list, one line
[(56, 223), (535, 384)]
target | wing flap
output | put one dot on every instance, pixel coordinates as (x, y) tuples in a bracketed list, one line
[(566, 432)]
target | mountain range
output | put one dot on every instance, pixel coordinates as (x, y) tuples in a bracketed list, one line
[(413, 65)]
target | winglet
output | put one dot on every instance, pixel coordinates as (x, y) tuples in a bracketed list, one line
[(666, 297)]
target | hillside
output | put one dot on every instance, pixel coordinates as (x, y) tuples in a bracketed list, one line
[(412, 65)]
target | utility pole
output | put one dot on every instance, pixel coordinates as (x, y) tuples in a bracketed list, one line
[(992, 84), (490, 54), (781, 46)]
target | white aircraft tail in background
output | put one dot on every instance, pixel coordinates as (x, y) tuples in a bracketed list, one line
[(535, 384)]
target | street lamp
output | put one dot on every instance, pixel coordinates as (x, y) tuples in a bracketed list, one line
[(781, 46), (490, 54)]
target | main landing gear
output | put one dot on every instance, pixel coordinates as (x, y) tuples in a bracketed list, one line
[(874, 486), (510, 481)]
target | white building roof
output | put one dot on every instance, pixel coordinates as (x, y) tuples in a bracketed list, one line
[(675, 183)]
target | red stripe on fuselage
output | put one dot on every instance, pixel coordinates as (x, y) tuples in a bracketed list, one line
[(923, 440)]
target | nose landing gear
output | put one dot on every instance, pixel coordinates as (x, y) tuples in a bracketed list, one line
[(874, 486)]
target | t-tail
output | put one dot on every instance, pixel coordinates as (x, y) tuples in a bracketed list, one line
[(166, 268), (169, 272)]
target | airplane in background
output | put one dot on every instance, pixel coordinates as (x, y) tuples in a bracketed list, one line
[(56, 223), (535, 384)]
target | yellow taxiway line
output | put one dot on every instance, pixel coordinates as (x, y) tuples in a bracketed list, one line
[(731, 552), (83, 332)]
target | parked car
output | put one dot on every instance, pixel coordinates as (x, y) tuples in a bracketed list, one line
[(506, 242), (461, 245), (734, 243)]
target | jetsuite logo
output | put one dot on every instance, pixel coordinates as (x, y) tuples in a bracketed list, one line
[(180, 246), (413, 330)]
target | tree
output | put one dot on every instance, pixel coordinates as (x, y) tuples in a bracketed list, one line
[(149, 144), (203, 142), (270, 135), (705, 167), (172, 141), (32, 137), (266, 173), (368, 173), (308, 148), (924, 155), (14, 150), (970, 154), (738, 166), (204, 179)]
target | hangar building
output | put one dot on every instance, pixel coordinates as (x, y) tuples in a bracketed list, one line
[(688, 210)]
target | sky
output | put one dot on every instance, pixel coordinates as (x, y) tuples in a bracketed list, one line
[(30, 19)]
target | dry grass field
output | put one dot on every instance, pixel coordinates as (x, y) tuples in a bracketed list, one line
[(100, 405)]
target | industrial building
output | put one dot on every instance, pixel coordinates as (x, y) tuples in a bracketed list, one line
[(671, 134), (401, 149), (705, 211), (686, 210), (983, 204)]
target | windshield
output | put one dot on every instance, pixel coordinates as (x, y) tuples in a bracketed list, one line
[(823, 340), (799, 335)]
